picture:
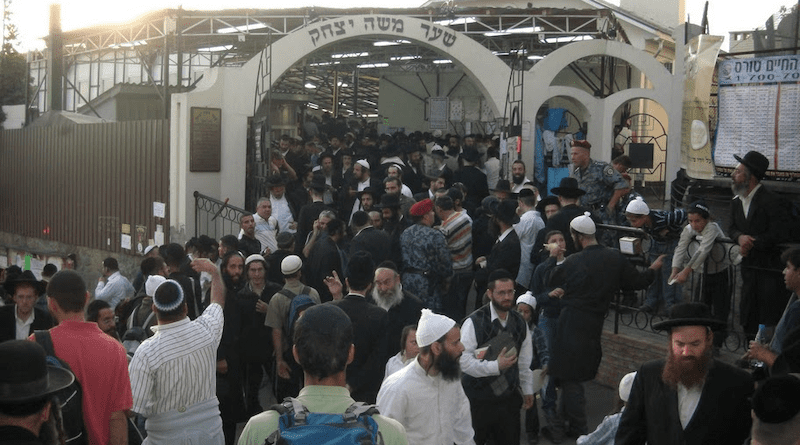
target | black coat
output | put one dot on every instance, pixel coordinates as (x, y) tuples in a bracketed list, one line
[(365, 373), (377, 242), (475, 180), (764, 295), (722, 416), (305, 222), (406, 313), (589, 279), (8, 323), (322, 260), (559, 221)]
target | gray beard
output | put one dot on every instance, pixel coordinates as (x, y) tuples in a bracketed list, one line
[(386, 302), (739, 189)]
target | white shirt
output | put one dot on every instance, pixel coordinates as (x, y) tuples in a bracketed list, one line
[(395, 364), (115, 289), (176, 368), (517, 187), (719, 259), (746, 200), (482, 368), (688, 399), (529, 225), (357, 204), (282, 212), (24, 326), (434, 411), (265, 232), (492, 169)]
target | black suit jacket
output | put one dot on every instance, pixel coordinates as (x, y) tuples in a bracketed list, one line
[(722, 416), (377, 242), (8, 323), (505, 254), (401, 315), (370, 323), (475, 180)]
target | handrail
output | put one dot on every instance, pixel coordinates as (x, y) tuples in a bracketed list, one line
[(215, 218)]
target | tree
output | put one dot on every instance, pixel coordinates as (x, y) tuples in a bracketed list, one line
[(14, 77)]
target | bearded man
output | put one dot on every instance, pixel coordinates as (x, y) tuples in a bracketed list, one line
[(229, 372), (689, 398), (427, 396), (404, 308)]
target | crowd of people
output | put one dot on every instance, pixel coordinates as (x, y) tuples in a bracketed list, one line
[(350, 282)]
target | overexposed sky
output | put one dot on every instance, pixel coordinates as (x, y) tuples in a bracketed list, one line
[(32, 16)]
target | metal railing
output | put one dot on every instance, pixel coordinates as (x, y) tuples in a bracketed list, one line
[(215, 218)]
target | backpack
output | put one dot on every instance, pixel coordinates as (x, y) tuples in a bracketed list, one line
[(297, 425), (135, 335), (70, 398), (296, 307)]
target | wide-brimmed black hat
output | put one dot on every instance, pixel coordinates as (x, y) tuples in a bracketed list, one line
[(371, 190), (506, 211), (24, 374), (568, 187), (27, 277), (470, 155), (546, 201), (690, 314), (755, 162), (318, 182), (389, 201)]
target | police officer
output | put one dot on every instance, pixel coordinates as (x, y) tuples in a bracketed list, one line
[(603, 185)]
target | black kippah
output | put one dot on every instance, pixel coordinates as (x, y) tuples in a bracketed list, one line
[(500, 274), (777, 400)]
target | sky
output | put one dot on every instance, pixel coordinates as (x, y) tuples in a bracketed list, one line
[(31, 16)]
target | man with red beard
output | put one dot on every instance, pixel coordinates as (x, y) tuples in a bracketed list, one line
[(690, 398)]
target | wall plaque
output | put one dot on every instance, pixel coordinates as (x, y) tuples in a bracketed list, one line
[(205, 139)]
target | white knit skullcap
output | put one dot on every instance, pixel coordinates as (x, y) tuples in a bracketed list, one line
[(149, 248), (152, 283), (168, 305), (625, 386), (638, 207), (254, 257), (363, 163), (291, 264), (432, 327), (528, 299), (583, 224)]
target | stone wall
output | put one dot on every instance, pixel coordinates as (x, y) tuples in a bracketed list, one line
[(623, 354)]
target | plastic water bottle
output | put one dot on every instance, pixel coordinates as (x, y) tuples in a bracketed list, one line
[(761, 338)]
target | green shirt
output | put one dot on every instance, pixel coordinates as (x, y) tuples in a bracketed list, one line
[(320, 399)]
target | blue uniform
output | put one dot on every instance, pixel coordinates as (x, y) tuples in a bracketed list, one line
[(599, 180), (427, 264)]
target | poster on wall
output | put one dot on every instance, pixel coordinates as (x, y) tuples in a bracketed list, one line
[(439, 108), (699, 62), (205, 139), (759, 109)]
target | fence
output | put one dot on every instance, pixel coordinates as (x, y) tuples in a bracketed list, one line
[(86, 185), (215, 218)]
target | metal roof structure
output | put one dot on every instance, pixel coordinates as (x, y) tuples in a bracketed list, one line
[(143, 51)]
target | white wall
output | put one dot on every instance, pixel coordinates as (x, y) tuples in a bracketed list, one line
[(15, 116)]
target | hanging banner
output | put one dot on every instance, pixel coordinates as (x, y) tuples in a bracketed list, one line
[(699, 61)]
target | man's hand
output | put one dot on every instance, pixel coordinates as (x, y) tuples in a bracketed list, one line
[(527, 401), (504, 362), (284, 371), (334, 285), (658, 263), (204, 265), (745, 244), (261, 307), (222, 366), (556, 293), (761, 353)]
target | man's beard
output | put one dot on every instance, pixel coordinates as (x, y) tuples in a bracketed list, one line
[(577, 243), (499, 307), (231, 283), (739, 188), (689, 371), (389, 298), (449, 367), (518, 179)]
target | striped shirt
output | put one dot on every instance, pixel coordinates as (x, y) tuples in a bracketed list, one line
[(457, 230), (176, 368)]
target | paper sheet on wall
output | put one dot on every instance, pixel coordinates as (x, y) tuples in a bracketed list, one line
[(125, 242), (159, 209)]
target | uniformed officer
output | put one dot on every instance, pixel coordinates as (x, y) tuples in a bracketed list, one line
[(603, 185)]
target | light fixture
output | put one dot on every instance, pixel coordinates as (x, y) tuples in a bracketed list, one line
[(214, 49), (442, 61), (349, 55), (244, 28), (373, 65), (390, 43), (458, 21)]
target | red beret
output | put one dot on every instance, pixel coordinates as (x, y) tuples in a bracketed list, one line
[(422, 207)]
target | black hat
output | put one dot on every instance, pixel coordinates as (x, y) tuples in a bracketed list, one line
[(27, 276), (371, 190), (360, 269), (500, 274), (318, 182), (777, 400), (755, 162), (568, 187), (411, 148), (25, 375), (324, 154), (506, 211), (488, 203), (275, 181), (470, 155), (503, 185), (690, 314), (526, 192), (389, 201), (546, 201)]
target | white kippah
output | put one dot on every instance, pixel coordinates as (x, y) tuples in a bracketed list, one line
[(625, 386), (152, 283), (432, 327), (638, 207), (254, 257), (583, 224), (291, 264), (528, 299), (363, 163)]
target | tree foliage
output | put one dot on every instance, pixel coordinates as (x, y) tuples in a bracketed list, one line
[(14, 77)]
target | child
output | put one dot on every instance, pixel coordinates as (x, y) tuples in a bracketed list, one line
[(607, 430), (715, 285), (526, 306), (408, 350)]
